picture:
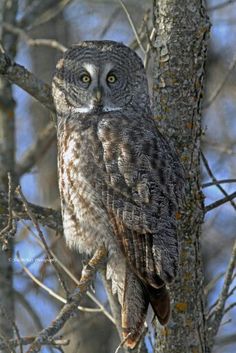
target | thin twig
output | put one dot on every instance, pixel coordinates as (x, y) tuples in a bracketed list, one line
[(34, 42), (220, 202), (111, 20), (212, 283), (41, 236), (51, 292), (220, 86), (101, 307), (221, 181), (230, 307), (214, 324), (209, 171), (37, 150), (49, 14), (12, 343), (132, 26), (149, 47), (122, 342), (89, 294), (69, 308), (220, 6)]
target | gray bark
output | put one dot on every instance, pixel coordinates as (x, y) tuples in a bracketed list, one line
[(182, 29), (7, 164)]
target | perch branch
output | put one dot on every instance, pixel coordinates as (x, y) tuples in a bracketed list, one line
[(70, 307), (18, 75)]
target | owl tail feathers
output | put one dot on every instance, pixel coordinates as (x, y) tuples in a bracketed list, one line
[(134, 309), (160, 302)]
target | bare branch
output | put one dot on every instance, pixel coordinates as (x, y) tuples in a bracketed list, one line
[(34, 42), (122, 342), (41, 236), (212, 283), (221, 181), (37, 150), (46, 216), (206, 164), (18, 75), (132, 26), (69, 308), (90, 295), (41, 12), (24, 341), (109, 22), (230, 307), (220, 202), (214, 324), (220, 86), (52, 292), (221, 6), (45, 16)]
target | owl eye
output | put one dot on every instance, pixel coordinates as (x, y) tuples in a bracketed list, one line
[(85, 78), (111, 78)]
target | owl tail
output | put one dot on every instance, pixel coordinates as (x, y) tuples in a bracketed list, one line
[(160, 302), (134, 309), (137, 297)]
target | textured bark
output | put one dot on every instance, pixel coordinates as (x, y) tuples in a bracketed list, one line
[(182, 29), (7, 164)]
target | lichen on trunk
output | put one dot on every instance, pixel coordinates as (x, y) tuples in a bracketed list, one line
[(182, 29)]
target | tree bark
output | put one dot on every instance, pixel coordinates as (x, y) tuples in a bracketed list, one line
[(8, 11), (182, 29)]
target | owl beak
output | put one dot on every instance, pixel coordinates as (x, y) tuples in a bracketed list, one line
[(97, 96)]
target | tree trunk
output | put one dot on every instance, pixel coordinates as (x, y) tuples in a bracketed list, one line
[(7, 164), (182, 29)]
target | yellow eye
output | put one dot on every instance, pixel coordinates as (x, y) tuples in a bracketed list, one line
[(111, 78), (85, 78)]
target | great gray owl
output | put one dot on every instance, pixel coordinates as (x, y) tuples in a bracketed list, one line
[(120, 181)]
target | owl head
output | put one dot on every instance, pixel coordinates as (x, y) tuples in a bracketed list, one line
[(96, 77)]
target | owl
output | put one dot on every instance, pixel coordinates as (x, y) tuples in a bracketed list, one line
[(120, 181)]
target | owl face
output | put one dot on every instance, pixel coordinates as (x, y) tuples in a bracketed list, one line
[(99, 77), (95, 87)]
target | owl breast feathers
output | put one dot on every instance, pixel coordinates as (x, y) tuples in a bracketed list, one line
[(120, 182)]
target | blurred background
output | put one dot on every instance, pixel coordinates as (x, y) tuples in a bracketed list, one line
[(69, 22)]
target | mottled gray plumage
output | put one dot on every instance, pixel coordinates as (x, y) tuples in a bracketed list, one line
[(120, 181)]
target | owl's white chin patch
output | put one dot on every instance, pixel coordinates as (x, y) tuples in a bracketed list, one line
[(111, 109), (92, 109)]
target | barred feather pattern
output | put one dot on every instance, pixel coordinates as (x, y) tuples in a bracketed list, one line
[(120, 182)]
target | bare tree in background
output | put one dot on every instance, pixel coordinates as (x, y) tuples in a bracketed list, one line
[(172, 37)]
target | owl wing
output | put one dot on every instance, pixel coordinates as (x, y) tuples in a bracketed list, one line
[(144, 183)]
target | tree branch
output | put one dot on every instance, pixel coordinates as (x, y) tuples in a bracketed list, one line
[(69, 308), (34, 42), (214, 324), (209, 171), (221, 6), (46, 216), (37, 150), (220, 202), (20, 76), (24, 341), (221, 181)]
